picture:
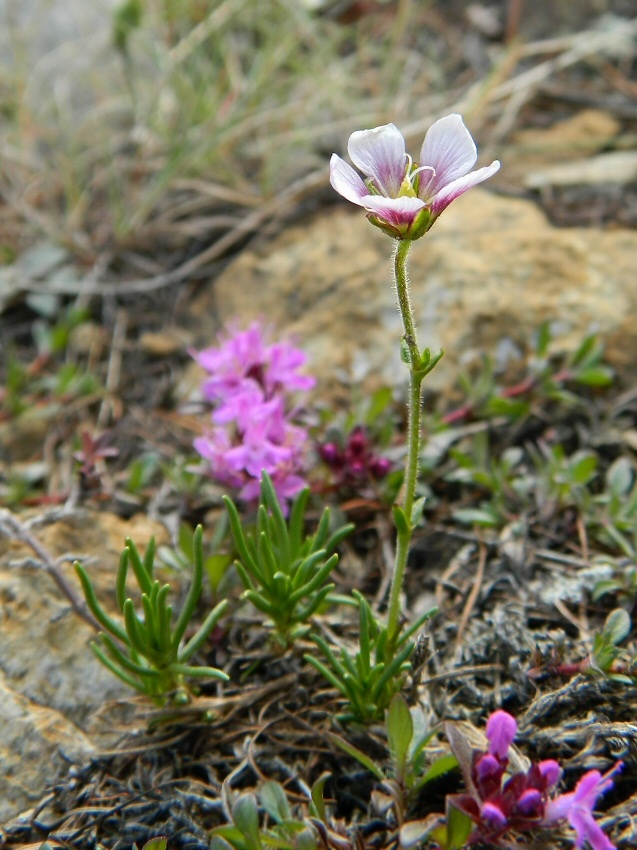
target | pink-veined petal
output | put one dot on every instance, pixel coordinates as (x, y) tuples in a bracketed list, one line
[(449, 149), (380, 155), (399, 212), (449, 193), (346, 181)]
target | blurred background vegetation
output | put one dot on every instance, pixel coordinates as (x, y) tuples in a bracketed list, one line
[(159, 126)]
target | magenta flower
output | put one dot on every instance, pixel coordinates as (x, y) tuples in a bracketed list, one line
[(522, 801), (577, 807), (250, 384), (500, 731), (402, 197), (243, 362)]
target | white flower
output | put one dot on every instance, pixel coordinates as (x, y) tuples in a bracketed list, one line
[(402, 197)]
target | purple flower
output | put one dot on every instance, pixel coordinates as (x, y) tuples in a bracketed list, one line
[(577, 807), (402, 197), (243, 362), (500, 731), (521, 802), (249, 382)]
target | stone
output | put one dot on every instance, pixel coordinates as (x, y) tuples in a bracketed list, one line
[(490, 271), (52, 688), (37, 744)]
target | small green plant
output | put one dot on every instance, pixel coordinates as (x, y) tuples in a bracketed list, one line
[(368, 679), (244, 832), (545, 379), (146, 651), (607, 656), (503, 478), (613, 517), (407, 738), (623, 583), (561, 479), (284, 572)]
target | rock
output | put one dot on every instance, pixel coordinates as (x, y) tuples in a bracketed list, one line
[(33, 737), (490, 271), (51, 685)]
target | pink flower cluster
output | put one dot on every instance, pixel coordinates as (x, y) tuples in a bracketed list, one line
[(523, 801), (249, 384)]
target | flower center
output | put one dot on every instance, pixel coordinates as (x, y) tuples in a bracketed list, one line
[(410, 187)]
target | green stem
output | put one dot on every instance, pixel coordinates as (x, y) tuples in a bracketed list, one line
[(416, 376)]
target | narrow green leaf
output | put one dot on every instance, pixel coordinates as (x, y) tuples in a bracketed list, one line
[(198, 672), (459, 827), (200, 636), (135, 630), (442, 765), (359, 755), (245, 815), (595, 376), (236, 529), (259, 601), (194, 591), (617, 626), (334, 680), (129, 680), (274, 800), (95, 608), (317, 599), (338, 536), (150, 622), (318, 799), (120, 581), (143, 579), (297, 520), (122, 659), (269, 497), (164, 616), (400, 731), (149, 557), (267, 560), (318, 578)]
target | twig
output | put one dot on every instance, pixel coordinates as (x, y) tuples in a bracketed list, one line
[(114, 367), (11, 526), (473, 595), (464, 671)]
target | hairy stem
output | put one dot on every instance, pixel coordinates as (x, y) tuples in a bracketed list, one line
[(416, 376)]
